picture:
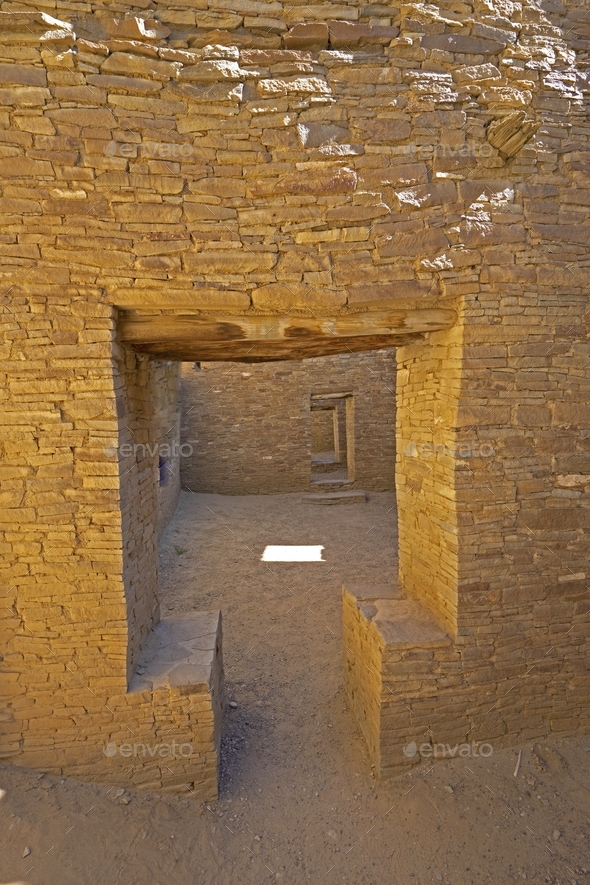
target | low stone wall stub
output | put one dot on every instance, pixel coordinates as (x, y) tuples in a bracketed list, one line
[(418, 695)]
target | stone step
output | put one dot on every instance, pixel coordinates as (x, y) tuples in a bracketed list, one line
[(326, 466), (355, 497)]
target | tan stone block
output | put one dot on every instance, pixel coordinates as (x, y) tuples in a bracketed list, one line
[(462, 43), (344, 34), (473, 416), (226, 21), (306, 36), (37, 124), (554, 519), (340, 181), (22, 167), (233, 261), (10, 206), (383, 131), (27, 75), (268, 57), (484, 233), (92, 257), (349, 213), (148, 213), (207, 212), (513, 273), (118, 83), (322, 12), (484, 190), (426, 195), (577, 414), (133, 65), (211, 71), (569, 276), (416, 245), (286, 85), (95, 118), (533, 416), (24, 96), (156, 106), (404, 174), (278, 296), (384, 294), (219, 186)]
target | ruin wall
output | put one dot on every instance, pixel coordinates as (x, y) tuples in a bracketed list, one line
[(373, 158), (249, 427)]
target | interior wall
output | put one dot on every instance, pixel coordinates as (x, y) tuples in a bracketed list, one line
[(249, 426), (149, 400), (322, 431), (427, 392), (167, 432)]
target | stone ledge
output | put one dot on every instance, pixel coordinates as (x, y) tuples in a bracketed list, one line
[(354, 497), (399, 622), (181, 651)]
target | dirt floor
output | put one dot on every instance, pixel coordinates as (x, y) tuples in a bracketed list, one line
[(298, 801)]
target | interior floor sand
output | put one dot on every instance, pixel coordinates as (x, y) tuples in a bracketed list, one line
[(298, 801)]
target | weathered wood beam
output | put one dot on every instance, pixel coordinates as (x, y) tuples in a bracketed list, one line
[(258, 338)]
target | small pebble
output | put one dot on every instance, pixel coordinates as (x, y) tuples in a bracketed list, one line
[(556, 834), (26, 852), (233, 705), (257, 838), (439, 877), (449, 789), (118, 793)]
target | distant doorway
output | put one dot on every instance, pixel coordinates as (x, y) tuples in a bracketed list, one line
[(332, 438)]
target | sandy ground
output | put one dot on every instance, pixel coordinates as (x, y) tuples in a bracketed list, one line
[(298, 802)]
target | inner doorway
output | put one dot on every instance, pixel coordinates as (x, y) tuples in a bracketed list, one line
[(332, 438)]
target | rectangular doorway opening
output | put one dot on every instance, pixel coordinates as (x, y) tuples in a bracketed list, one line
[(332, 438)]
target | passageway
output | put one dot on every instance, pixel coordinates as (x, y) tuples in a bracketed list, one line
[(281, 621)]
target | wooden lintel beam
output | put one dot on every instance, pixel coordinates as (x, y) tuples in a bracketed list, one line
[(254, 338)]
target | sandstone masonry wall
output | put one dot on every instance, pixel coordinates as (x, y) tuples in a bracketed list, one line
[(250, 426), (305, 161)]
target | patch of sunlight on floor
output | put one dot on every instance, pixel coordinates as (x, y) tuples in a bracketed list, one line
[(293, 553)]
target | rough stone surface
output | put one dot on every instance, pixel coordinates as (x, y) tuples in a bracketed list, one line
[(250, 426), (107, 142)]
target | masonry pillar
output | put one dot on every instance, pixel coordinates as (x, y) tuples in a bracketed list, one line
[(493, 479)]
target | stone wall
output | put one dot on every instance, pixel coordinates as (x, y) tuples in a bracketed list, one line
[(167, 434), (79, 522), (323, 161), (250, 426)]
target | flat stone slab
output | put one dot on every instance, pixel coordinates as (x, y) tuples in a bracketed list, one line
[(180, 651), (400, 621), (354, 497)]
